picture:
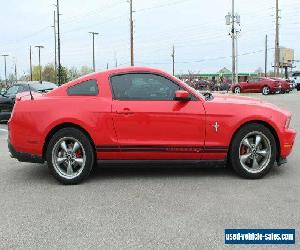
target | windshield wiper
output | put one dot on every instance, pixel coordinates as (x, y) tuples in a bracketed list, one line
[(44, 90)]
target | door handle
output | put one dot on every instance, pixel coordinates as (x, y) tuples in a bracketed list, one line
[(125, 111)]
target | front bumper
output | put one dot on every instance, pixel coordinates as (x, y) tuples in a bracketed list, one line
[(24, 157)]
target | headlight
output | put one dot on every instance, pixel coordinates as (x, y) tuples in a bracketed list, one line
[(288, 121)]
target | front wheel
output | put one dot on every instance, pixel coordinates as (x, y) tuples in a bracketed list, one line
[(70, 156), (253, 151), (265, 90)]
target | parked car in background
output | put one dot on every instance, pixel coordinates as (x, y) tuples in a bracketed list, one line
[(140, 113), (21, 87), (295, 77), (7, 98), (202, 85), (262, 85)]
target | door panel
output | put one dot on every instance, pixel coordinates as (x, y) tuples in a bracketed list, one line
[(155, 129)]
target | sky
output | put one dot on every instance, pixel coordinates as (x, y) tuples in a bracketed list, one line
[(196, 28)]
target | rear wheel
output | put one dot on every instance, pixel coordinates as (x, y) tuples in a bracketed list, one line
[(237, 90), (253, 151), (70, 156), (265, 90)]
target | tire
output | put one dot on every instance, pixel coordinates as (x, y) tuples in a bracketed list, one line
[(265, 154), (70, 156), (265, 90), (237, 90)]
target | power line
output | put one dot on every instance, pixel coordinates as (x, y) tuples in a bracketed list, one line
[(77, 18), (26, 37), (162, 5), (208, 59)]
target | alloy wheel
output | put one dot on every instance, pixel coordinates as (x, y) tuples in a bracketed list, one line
[(255, 152), (68, 157)]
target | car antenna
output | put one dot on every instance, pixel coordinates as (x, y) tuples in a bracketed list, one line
[(30, 92)]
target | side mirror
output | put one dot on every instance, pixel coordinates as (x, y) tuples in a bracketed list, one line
[(182, 95), (247, 81)]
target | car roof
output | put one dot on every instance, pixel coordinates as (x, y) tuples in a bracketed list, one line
[(108, 73), (124, 70)]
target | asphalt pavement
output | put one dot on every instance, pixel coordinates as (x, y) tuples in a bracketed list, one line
[(149, 208)]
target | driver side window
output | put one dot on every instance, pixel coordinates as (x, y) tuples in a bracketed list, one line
[(143, 86)]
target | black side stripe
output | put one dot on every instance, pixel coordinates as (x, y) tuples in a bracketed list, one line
[(162, 148)]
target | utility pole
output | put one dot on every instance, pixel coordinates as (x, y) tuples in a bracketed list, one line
[(173, 60), (58, 44), (277, 63), (266, 56), (40, 68), (232, 19), (131, 35), (30, 61), (55, 56), (5, 73), (233, 43), (93, 35)]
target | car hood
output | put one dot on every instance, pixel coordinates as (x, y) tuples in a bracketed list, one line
[(244, 100), (236, 99)]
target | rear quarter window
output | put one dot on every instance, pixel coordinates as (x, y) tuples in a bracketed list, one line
[(86, 88)]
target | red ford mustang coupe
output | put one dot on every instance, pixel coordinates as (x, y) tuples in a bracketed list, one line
[(262, 85), (140, 113)]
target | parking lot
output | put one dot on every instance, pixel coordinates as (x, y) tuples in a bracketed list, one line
[(133, 207)]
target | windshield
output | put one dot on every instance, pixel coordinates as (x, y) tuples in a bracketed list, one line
[(12, 90)]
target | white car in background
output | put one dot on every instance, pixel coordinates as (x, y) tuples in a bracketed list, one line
[(295, 78)]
